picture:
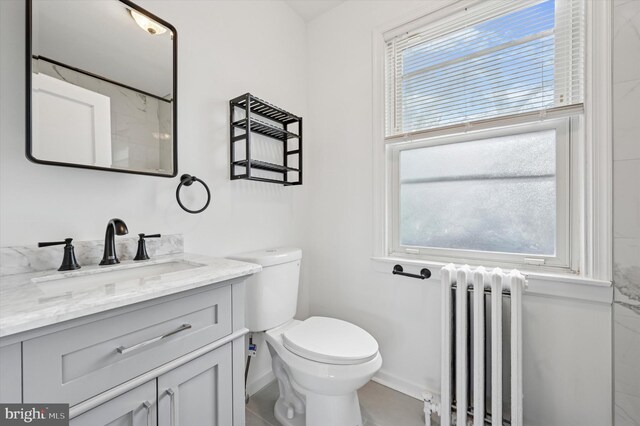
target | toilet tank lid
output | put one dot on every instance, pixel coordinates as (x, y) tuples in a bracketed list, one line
[(269, 257)]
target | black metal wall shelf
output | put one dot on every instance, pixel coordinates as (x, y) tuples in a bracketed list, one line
[(276, 126)]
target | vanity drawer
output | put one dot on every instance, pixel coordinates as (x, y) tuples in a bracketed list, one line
[(75, 364)]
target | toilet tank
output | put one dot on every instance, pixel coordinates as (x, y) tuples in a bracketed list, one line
[(271, 295)]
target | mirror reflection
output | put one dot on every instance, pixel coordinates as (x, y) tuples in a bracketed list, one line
[(102, 85)]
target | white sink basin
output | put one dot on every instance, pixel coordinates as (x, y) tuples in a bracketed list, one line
[(117, 273)]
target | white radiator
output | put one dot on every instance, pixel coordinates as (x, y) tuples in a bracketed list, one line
[(468, 379)]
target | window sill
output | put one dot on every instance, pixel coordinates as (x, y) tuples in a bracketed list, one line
[(568, 286)]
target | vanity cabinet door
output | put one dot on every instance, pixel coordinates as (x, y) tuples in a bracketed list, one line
[(11, 374), (134, 408), (198, 393)]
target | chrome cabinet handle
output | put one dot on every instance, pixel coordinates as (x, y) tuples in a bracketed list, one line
[(147, 406), (123, 350), (172, 408)]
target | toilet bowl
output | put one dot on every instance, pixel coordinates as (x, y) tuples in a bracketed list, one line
[(320, 362)]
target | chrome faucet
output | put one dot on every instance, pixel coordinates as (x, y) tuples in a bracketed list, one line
[(114, 227)]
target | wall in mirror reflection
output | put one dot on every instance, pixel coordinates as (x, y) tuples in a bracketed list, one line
[(135, 127)]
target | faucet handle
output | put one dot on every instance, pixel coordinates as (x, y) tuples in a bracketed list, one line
[(69, 262), (142, 246), (55, 243), (143, 236)]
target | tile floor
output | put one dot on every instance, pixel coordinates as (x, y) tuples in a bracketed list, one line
[(381, 406)]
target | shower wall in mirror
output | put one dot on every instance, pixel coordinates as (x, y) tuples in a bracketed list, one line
[(102, 83)]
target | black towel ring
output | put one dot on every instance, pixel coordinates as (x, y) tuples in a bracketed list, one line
[(187, 180)]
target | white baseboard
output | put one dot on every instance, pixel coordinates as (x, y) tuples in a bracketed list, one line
[(406, 387), (260, 382)]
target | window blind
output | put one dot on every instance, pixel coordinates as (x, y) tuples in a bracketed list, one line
[(491, 60)]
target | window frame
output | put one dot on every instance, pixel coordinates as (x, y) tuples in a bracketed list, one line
[(567, 134), (591, 225)]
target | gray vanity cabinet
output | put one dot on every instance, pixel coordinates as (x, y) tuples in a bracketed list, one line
[(176, 360), (198, 392), (134, 408)]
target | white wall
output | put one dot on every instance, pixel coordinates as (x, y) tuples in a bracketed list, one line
[(567, 360), (226, 48)]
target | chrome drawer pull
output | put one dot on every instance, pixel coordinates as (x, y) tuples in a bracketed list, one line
[(123, 350), (172, 408), (147, 406)]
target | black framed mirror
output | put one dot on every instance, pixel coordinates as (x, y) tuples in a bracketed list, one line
[(101, 87)]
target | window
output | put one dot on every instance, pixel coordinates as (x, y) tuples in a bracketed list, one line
[(483, 114), (497, 194)]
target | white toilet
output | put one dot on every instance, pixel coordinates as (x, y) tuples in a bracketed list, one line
[(320, 362)]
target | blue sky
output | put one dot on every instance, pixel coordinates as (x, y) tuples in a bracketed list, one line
[(431, 100)]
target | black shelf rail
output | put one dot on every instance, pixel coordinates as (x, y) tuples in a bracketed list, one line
[(264, 129), (264, 165), (276, 127)]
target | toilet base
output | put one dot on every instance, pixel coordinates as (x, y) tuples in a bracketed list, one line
[(321, 410), (295, 408)]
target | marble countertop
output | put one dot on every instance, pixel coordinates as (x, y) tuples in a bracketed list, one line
[(33, 300)]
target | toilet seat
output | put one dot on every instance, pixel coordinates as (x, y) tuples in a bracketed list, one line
[(330, 341)]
